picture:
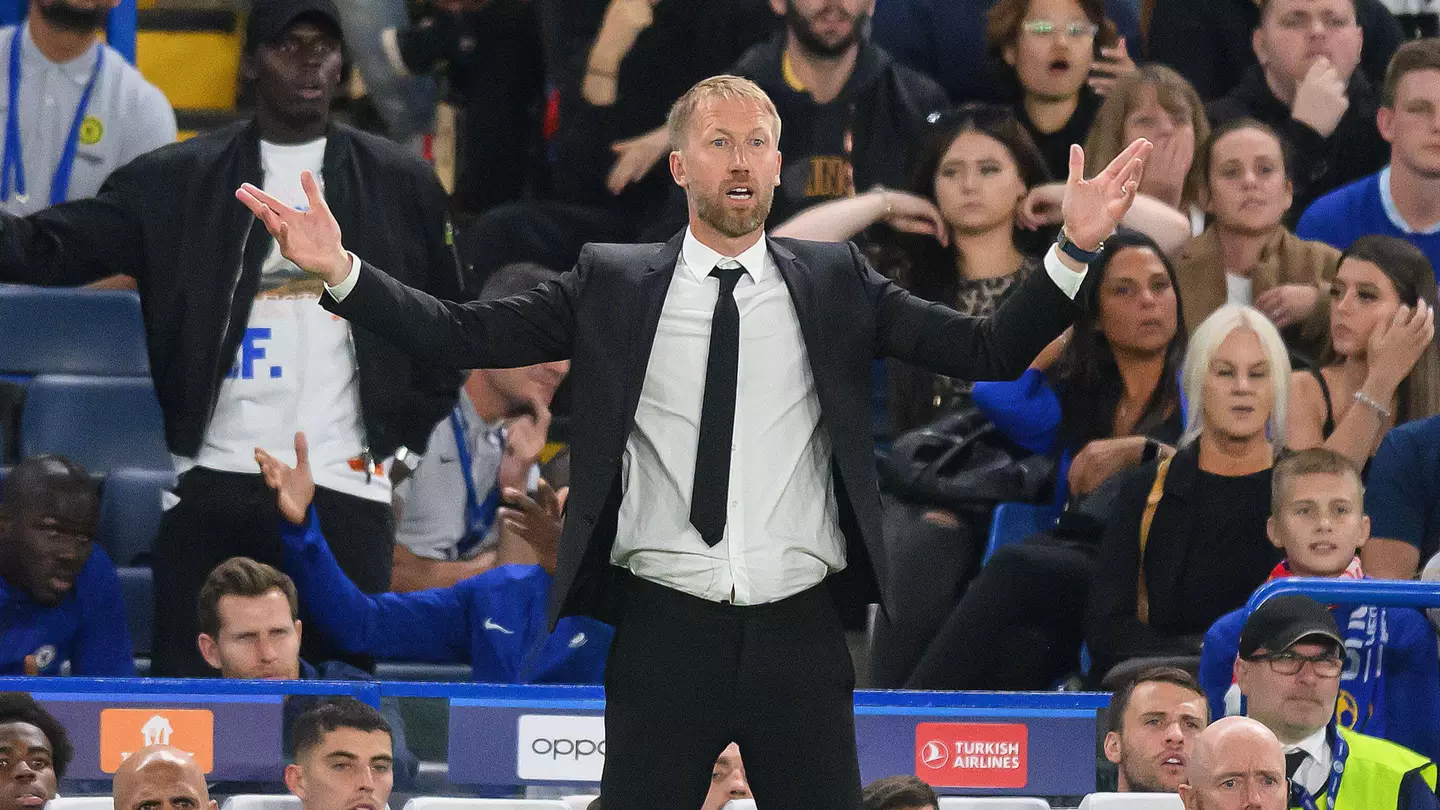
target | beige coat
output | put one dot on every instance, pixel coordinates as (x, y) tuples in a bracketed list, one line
[(1287, 259)]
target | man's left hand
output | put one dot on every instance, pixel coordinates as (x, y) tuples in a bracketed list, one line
[(1092, 208)]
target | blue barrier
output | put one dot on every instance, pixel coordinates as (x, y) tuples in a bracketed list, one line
[(509, 735), (1379, 592), (122, 28)]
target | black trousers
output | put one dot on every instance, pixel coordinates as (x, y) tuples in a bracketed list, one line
[(223, 515), (1020, 624), (687, 676)]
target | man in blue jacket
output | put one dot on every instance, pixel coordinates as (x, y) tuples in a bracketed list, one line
[(1390, 687), (60, 600), (496, 619)]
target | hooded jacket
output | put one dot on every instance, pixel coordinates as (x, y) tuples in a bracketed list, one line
[(170, 220)]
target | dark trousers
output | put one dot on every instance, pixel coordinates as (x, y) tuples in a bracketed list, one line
[(929, 561), (1020, 624), (223, 515), (687, 676)]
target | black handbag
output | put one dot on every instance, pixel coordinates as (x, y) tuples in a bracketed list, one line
[(962, 461)]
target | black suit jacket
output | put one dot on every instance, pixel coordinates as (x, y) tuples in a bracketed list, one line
[(602, 315)]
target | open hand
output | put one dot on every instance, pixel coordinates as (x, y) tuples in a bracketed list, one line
[(294, 486), (538, 520), (1092, 208), (635, 157), (310, 239)]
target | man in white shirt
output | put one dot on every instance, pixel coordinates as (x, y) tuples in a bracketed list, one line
[(711, 501), (78, 111)]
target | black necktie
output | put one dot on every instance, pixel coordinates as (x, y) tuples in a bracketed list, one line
[(1293, 761), (711, 487)]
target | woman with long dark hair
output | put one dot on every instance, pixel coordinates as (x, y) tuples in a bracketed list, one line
[(1109, 402)]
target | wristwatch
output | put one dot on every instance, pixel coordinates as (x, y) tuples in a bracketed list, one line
[(1076, 252), (408, 459)]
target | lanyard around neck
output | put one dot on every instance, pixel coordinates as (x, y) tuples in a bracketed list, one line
[(1339, 751), (479, 515), (12, 170)]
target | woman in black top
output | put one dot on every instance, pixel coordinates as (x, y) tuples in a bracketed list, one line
[(1185, 542)]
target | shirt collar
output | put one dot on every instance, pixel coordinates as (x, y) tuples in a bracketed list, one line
[(77, 69), (700, 259), (1387, 201), (1317, 745)]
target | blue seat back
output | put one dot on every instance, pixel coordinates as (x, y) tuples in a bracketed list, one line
[(1015, 521), (103, 424), (62, 331), (136, 586), (130, 514)]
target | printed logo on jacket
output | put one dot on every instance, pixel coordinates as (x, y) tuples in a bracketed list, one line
[(972, 755)]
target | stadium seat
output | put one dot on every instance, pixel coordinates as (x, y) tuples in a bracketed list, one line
[(579, 802), (1132, 801), (81, 803), (437, 803), (996, 803), (135, 585), (255, 801), (68, 331), (130, 514), (103, 424), (1015, 521)]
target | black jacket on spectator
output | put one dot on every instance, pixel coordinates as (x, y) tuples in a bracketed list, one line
[(1208, 41), (688, 41), (170, 220), (1207, 552), (1354, 150), (862, 138), (1055, 146)]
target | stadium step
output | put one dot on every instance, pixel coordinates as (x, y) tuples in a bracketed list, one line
[(190, 49)]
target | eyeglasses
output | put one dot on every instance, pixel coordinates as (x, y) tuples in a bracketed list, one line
[(1288, 663), (1072, 30)]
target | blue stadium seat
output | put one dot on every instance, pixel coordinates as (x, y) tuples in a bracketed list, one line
[(135, 585), (1015, 521), (419, 671), (101, 423), (66, 331), (130, 513)]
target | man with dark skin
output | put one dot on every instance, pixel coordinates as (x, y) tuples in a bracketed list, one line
[(161, 778), (239, 353), (34, 752), (63, 592)]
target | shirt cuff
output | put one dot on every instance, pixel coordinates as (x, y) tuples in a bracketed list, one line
[(339, 291), (1066, 279)]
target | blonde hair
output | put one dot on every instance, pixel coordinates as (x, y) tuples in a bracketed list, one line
[(1203, 345), (725, 87), (1173, 92)]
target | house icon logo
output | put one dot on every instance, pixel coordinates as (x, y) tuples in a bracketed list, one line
[(125, 731)]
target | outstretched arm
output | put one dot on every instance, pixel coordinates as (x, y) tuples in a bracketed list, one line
[(1000, 347), (426, 625), (522, 330)]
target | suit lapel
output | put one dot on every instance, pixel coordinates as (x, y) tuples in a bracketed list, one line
[(650, 289), (801, 285)]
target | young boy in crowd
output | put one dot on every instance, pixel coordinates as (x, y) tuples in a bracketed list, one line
[(1390, 686)]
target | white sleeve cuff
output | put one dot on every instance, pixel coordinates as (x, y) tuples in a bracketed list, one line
[(1066, 279), (339, 291)]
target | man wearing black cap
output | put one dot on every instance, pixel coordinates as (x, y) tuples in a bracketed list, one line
[(1289, 665), (240, 354)]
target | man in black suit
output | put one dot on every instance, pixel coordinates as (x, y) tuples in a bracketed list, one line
[(687, 385)]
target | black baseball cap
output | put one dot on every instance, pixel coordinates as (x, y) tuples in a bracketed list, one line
[(1286, 620), (269, 18)]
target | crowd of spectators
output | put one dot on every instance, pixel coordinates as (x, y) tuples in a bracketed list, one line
[(1253, 391)]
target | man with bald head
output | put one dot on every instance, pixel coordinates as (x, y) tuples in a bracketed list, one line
[(1235, 764), (58, 593), (161, 778)]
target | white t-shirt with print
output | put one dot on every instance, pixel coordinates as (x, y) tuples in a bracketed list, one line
[(295, 368)]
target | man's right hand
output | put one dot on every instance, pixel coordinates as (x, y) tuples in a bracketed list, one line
[(310, 239), (294, 486), (1320, 100)]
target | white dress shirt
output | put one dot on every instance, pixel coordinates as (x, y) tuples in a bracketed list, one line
[(1315, 770), (782, 531)]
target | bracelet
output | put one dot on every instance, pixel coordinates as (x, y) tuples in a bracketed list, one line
[(1369, 402)]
